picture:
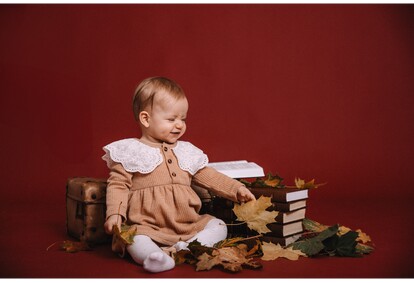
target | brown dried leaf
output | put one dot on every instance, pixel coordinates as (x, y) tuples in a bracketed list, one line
[(125, 235), (230, 258), (73, 247), (272, 181), (206, 262)]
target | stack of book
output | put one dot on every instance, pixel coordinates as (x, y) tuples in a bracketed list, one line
[(287, 228), (290, 203)]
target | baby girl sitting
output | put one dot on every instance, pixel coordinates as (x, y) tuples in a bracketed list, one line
[(150, 178)]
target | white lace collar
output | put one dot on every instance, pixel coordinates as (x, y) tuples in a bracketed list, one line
[(136, 156)]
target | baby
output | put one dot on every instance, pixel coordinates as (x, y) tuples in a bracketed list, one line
[(149, 186)]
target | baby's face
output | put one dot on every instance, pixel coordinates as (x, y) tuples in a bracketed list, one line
[(167, 119)]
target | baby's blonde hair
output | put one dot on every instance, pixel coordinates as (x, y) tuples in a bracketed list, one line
[(148, 88)]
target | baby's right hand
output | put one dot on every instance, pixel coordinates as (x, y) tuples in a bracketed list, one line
[(111, 221)]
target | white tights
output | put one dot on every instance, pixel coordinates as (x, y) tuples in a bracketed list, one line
[(145, 252)]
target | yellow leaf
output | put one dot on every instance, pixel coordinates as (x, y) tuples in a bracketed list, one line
[(362, 237), (301, 184), (342, 230), (272, 252), (255, 215)]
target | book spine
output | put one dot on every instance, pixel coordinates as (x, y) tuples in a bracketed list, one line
[(277, 195), (283, 230), (283, 241), (269, 192)]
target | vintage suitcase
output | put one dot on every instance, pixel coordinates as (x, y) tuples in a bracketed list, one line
[(86, 209)]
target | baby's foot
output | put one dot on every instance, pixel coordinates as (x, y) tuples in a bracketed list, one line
[(158, 262), (181, 246)]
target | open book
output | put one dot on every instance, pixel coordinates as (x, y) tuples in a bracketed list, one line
[(238, 169), (233, 169)]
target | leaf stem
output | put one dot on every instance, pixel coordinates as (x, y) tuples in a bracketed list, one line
[(235, 224), (119, 211), (51, 245)]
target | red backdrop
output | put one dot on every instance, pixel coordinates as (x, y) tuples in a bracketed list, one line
[(310, 91)]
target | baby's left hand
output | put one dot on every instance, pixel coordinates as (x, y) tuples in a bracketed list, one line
[(244, 194)]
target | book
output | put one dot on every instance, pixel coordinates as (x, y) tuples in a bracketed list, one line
[(281, 195), (287, 217), (288, 206), (283, 230), (283, 241), (238, 169)]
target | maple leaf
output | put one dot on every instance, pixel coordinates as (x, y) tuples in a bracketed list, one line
[(273, 181), (301, 184), (206, 262), (255, 215), (343, 230), (272, 252), (342, 245), (362, 237), (125, 235), (184, 256), (313, 246), (230, 258)]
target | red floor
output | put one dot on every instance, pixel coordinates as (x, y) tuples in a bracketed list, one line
[(28, 229)]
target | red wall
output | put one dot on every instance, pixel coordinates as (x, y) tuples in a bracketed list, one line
[(314, 91)]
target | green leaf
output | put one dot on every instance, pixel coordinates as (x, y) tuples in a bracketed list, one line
[(197, 249), (313, 246), (342, 245)]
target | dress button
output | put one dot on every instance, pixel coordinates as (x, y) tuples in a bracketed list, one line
[(173, 174), (165, 148), (169, 161)]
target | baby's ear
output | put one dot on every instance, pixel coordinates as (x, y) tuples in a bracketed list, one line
[(144, 117)]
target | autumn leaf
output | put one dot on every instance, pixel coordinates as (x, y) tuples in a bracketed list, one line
[(206, 262), (272, 252), (342, 245), (301, 184), (73, 247), (362, 237), (183, 256), (273, 181), (229, 242), (363, 249), (314, 245), (255, 215), (125, 235), (343, 230), (230, 258), (313, 226)]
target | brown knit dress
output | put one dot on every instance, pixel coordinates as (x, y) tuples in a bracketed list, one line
[(161, 203)]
